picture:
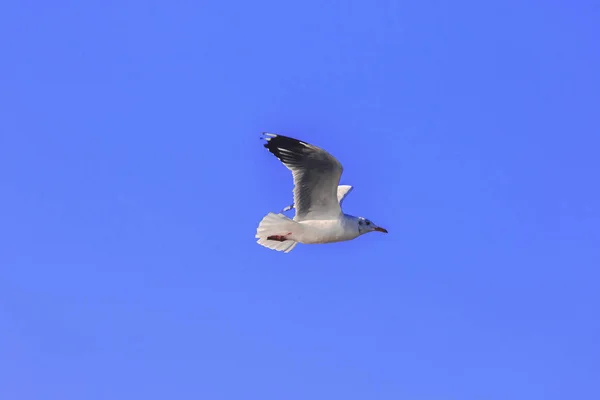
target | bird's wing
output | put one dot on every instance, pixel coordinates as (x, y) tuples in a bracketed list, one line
[(316, 176), (342, 192)]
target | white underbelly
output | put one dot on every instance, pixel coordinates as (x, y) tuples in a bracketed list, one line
[(324, 231)]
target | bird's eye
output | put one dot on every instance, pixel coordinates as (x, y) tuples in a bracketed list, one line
[(360, 222), (368, 222)]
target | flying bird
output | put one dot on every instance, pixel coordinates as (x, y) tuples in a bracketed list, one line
[(317, 200)]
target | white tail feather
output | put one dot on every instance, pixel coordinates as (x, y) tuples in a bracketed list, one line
[(285, 246), (276, 225)]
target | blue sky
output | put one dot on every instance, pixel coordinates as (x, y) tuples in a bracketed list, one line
[(133, 179)]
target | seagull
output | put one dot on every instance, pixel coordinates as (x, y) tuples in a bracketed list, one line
[(317, 200)]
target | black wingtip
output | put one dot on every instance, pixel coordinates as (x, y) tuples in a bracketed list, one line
[(268, 136), (286, 149), (263, 136)]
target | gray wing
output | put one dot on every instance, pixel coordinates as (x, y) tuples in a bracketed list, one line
[(342, 192), (316, 176)]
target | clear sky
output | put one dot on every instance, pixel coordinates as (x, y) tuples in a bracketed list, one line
[(133, 178)]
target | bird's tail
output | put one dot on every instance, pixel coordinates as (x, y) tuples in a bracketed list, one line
[(273, 230)]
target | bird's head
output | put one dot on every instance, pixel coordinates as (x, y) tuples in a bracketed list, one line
[(366, 226)]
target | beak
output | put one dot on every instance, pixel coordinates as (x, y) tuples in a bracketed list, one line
[(379, 229)]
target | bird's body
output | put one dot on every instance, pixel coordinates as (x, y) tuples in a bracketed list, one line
[(326, 230), (317, 200)]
